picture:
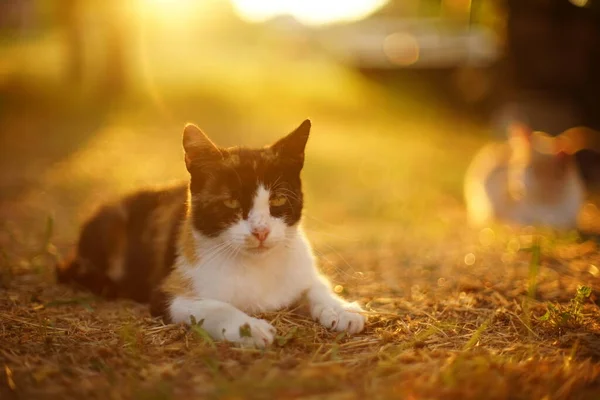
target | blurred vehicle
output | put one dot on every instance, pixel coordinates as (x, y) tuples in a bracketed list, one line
[(448, 51), (394, 43), (455, 55), (381, 34)]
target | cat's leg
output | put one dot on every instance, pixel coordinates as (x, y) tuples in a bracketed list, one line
[(333, 312), (222, 321)]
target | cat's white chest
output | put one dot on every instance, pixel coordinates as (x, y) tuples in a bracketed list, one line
[(255, 284)]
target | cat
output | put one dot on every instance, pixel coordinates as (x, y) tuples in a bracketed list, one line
[(225, 245), (533, 179)]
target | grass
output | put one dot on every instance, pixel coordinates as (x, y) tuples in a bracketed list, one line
[(453, 313), (456, 342), (560, 316)]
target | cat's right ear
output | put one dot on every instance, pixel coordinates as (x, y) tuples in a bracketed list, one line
[(199, 149)]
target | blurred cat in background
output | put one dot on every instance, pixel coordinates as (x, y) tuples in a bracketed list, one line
[(532, 179)]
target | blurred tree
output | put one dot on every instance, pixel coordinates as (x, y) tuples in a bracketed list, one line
[(114, 20), (80, 21), (553, 49), (70, 17), (17, 17), (553, 54)]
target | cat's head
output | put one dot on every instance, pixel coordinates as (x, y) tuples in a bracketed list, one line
[(248, 199)]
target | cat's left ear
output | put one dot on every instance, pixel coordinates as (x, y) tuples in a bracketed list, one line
[(292, 146)]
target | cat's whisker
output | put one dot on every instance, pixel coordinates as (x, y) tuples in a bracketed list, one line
[(288, 197), (288, 193), (333, 235), (274, 185), (231, 254), (217, 253), (332, 264), (319, 220), (215, 249)]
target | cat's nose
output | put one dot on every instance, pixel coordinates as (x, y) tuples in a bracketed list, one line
[(261, 233)]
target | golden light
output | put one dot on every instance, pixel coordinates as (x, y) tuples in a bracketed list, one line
[(170, 7), (177, 11), (401, 48), (309, 12)]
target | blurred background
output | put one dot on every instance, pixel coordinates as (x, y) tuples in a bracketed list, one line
[(94, 95)]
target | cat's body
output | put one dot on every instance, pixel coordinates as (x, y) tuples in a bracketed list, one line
[(226, 245), (129, 246), (518, 183)]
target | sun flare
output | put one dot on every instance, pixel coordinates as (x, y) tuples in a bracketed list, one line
[(309, 12)]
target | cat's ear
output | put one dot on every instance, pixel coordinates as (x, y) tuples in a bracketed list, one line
[(579, 138), (292, 146), (198, 147)]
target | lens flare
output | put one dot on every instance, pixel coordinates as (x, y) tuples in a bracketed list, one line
[(401, 48), (470, 259)]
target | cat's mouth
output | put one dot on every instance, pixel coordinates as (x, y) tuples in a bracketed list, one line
[(260, 249)]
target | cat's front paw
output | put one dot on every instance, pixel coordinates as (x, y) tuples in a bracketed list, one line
[(249, 332), (340, 317)]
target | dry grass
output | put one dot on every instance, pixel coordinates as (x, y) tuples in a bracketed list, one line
[(468, 335)]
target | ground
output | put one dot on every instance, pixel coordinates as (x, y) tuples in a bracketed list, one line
[(454, 313)]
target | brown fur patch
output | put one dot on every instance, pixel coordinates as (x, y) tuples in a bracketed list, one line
[(177, 284), (208, 196), (232, 161), (268, 154), (187, 243)]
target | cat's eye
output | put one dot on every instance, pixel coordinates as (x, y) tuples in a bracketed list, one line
[(231, 203), (277, 201)]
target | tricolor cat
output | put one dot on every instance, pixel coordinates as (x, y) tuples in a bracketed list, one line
[(224, 246)]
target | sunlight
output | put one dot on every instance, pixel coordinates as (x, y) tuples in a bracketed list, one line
[(170, 8), (309, 12), (177, 12)]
